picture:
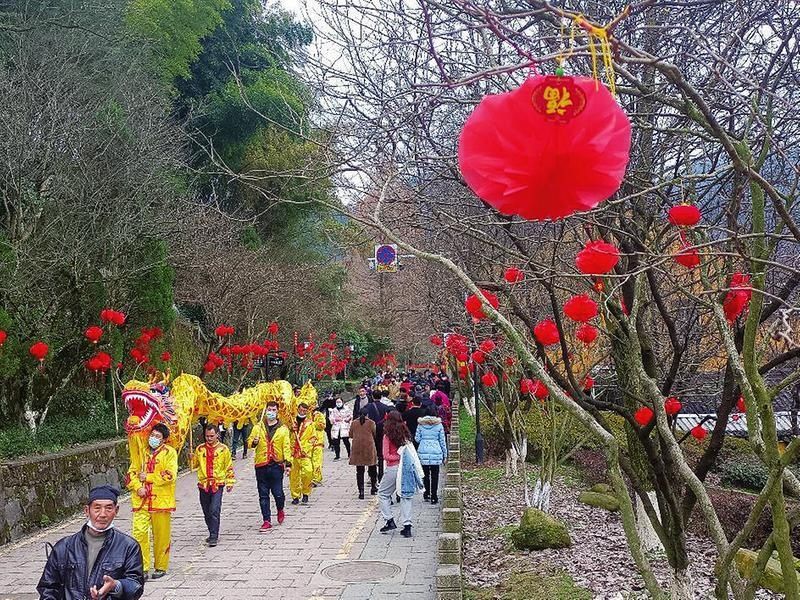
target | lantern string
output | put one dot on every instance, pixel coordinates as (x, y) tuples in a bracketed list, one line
[(601, 33)]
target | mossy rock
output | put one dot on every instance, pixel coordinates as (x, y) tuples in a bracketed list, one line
[(605, 501), (772, 579), (538, 530), (602, 488)]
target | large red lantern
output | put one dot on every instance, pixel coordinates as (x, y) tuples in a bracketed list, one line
[(224, 330), (525, 386), (546, 332), (513, 275), (39, 351), (552, 147), (684, 215), (475, 307), (93, 333), (672, 406), (586, 333), (643, 416), (738, 296), (597, 258), (580, 308)]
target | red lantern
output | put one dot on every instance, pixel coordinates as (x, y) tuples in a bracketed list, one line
[(101, 361), (478, 357), (672, 406), (539, 390), (588, 383), (688, 257), (39, 351), (509, 361), (738, 296), (546, 332), (643, 416), (597, 258), (475, 307), (684, 215), (740, 405), (489, 379), (273, 328), (462, 357), (93, 333), (525, 386), (115, 317), (487, 346), (3, 337), (436, 340), (513, 275), (463, 373), (552, 147), (580, 308), (209, 366), (166, 356), (699, 433), (587, 333), (224, 330)]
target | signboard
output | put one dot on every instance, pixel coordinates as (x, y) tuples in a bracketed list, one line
[(386, 258), (275, 361)]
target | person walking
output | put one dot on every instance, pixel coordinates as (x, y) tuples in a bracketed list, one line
[(341, 418), (153, 500), (273, 448), (360, 402), (241, 432), (214, 474), (403, 475), (432, 450), (327, 404), (364, 453), (303, 439), (377, 411), (99, 561), (412, 416)]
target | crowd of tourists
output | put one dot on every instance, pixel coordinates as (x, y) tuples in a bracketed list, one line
[(395, 434)]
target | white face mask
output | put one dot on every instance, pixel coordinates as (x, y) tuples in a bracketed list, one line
[(91, 526), (271, 416), (339, 405)]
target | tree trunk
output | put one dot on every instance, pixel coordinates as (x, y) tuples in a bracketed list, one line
[(682, 587), (469, 404), (648, 535), (541, 495), (512, 458)]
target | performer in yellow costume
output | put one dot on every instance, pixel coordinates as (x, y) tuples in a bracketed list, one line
[(303, 436), (153, 500), (273, 445), (318, 451), (214, 475)]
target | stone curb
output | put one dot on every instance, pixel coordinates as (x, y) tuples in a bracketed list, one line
[(449, 581)]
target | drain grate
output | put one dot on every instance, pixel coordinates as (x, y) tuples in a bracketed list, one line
[(361, 571)]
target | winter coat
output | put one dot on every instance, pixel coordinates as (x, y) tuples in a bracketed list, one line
[(445, 415), (409, 472), (430, 437), (363, 452), (65, 577), (411, 417), (340, 422)]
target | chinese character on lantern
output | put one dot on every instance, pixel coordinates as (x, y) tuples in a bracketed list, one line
[(557, 100)]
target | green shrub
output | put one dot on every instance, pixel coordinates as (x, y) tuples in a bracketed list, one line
[(748, 475), (538, 530), (57, 434)]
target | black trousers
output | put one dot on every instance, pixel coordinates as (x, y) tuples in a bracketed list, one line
[(431, 480), (337, 446), (269, 479), (211, 503), (373, 477), (379, 448)]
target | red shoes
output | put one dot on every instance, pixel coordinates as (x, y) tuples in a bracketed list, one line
[(266, 526), (281, 516)]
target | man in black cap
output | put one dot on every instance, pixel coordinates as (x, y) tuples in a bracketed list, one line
[(99, 561)]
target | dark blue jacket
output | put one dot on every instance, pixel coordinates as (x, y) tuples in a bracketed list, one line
[(65, 576)]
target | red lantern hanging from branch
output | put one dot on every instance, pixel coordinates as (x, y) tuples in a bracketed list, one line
[(597, 258), (738, 296), (699, 432), (684, 215), (688, 257), (224, 331), (740, 404), (525, 386), (580, 308), (3, 337), (539, 390), (587, 333), (588, 383), (475, 307), (643, 416), (672, 406), (478, 357), (513, 275), (39, 351), (552, 147), (93, 333), (273, 328), (436, 340), (487, 346), (546, 332), (489, 379)]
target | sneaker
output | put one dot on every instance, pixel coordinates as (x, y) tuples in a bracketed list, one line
[(360, 495), (335, 458), (281, 516), (373, 491), (208, 539), (434, 500), (212, 542), (389, 526), (158, 574), (406, 533), (305, 499), (295, 501), (426, 496), (266, 526)]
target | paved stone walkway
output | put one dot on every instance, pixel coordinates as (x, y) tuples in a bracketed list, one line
[(295, 560)]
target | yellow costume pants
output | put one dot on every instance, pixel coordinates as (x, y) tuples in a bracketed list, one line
[(161, 525), (300, 477), (317, 455)]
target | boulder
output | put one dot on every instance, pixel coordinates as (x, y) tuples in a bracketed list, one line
[(538, 530), (772, 579), (602, 488), (605, 501)]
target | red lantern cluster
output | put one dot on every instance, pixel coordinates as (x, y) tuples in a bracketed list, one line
[(587, 333), (39, 351), (224, 331), (580, 308), (643, 416), (99, 362), (597, 258), (738, 296), (115, 317), (475, 307), (514, 275), (548, 149), (93, 333), (458, 345), (672, 406), (684, 215), (489, 379), (546, 332)]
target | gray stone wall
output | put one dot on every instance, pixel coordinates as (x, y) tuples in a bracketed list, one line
[(39, 490), (449, 583)]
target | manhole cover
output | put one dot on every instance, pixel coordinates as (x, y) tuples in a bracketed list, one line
[(361, 571)]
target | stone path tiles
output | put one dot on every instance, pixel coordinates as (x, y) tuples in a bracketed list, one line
[(286, 562)]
